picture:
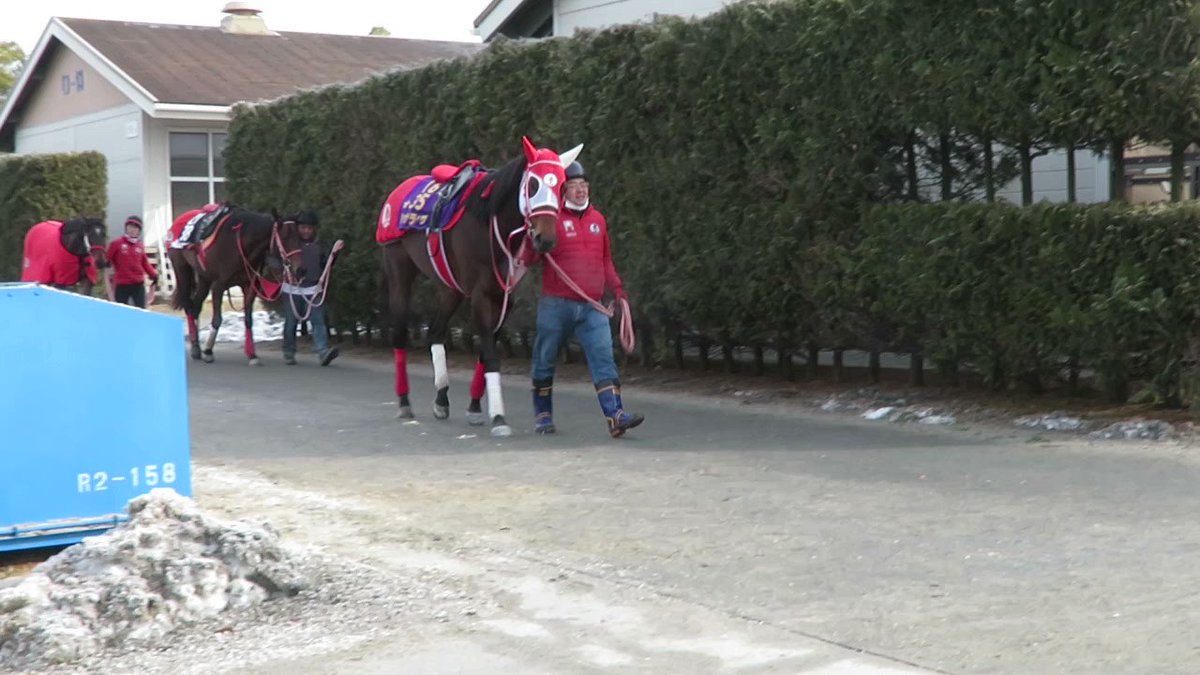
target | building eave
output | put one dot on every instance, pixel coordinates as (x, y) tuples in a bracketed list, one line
[(191, 111), (495, 15)]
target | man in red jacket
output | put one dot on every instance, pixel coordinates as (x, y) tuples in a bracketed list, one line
[(584, 253), (130, 265)]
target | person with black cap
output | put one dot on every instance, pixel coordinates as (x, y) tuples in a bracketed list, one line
[(303, 298), (131, 265), (584, 255)]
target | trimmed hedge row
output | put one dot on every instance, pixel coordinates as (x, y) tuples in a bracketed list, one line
[(1026, 294), (34, 188), (740, 159)]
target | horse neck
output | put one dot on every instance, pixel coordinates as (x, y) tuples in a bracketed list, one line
[(255, 236), (73, 240), (509, 220)]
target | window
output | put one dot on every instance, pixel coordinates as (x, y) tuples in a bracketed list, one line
[(197, 169)]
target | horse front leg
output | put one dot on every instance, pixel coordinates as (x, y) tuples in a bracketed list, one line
[(475, 416), (248, 296), (447, 305), (487, 315), (207, 353)]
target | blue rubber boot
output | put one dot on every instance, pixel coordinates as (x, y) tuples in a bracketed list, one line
[(543, 419), (619, 421)]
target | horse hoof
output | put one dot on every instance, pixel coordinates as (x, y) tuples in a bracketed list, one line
[(476, 419), (207, 357), (405, 413), (255, 362), (196, 354), (441, 412), (502, 430)]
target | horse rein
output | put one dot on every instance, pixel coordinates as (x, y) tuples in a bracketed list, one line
[(290, 279)]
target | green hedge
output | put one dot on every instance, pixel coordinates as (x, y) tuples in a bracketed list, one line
[(34, 188), (1022, 293), (740, 158)]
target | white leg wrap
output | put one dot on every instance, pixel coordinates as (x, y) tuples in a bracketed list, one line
[(494, 394), (212, 338), (441, 378)]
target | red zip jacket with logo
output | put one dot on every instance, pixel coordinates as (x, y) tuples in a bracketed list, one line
[(584, 253), (129, 261)]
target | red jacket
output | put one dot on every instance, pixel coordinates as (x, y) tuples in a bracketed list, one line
[(46, 261), (129, 262), (584, 253)]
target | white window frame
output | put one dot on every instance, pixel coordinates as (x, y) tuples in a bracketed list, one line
[(210, 179)]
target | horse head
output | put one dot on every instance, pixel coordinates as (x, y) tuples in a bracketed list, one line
[(87, 236), (285, 244), (541, 191)]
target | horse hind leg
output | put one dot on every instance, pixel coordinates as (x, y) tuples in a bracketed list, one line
[(398, 275), (195, 305), (206, 354), (447, 305)]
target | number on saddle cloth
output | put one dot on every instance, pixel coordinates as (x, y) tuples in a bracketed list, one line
[(435, 201), (199, 227)]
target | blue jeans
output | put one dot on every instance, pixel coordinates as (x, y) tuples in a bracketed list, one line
[(320, 334), (558, 319)]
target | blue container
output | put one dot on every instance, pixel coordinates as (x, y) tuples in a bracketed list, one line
[(93, 412)]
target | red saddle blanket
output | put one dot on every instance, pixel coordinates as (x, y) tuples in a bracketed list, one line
[(415, 203)]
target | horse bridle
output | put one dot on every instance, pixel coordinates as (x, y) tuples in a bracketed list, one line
[(277, 241), (91, 249)]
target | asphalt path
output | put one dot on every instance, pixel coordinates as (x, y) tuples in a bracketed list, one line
[(963, 551)]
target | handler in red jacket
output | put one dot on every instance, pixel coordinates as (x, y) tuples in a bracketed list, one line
[(584, 254), (130, 265)]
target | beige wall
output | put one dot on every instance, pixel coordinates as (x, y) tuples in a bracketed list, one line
[(55, 101)]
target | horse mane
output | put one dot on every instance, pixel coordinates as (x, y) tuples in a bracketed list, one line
[(247, 217), (74, 226), (499, 186)]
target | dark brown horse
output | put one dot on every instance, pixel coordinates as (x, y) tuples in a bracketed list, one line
[(520, 198), (65, 253), (245, 252)]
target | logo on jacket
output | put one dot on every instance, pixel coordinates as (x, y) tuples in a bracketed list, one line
[(595, 228), (569, 227)]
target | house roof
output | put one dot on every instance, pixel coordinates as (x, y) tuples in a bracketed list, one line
[(200, 72), (207, 66)]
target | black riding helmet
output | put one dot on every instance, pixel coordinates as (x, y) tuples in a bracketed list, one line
[(307, 217), (576, 170)]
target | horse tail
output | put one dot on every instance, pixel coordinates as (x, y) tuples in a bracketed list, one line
[(185, 284)]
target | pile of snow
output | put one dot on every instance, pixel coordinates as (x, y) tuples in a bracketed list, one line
[(917, 414), (169, 565), (1055, 421), (268, 326), (1140, 429)]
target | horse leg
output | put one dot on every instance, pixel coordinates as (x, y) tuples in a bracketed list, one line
[(399, 273), (248, 296), (475, 416), (193, 333), (207, 353), (447, 304), (193, 310), (487, 314)]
